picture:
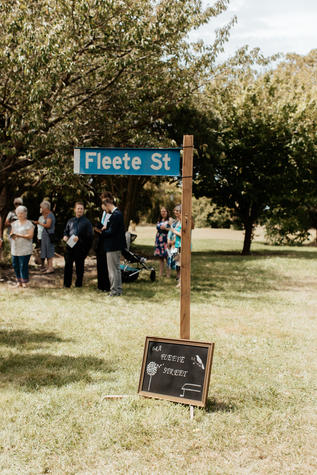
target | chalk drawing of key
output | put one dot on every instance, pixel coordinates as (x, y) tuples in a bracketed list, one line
[(193, 388), (151, 370)]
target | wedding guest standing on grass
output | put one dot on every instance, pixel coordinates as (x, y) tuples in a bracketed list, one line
[(47, 244), (78, 235), (175, 237), (103, 282), (176, 230), (160, 251), (114, 243), (21, 235)]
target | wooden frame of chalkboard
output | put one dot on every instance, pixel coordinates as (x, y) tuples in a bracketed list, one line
[(176, 370)]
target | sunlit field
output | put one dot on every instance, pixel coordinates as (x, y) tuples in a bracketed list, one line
[(63, 351)]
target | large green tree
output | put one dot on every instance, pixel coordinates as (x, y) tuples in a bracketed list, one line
[(265, 148), (91, 72)]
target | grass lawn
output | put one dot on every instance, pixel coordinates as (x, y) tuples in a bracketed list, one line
[(62, 351)]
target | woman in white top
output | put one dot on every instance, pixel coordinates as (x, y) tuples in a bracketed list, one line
[(21, 245)]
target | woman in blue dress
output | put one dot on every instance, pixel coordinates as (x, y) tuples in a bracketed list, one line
[(47, 246), (162, 227)]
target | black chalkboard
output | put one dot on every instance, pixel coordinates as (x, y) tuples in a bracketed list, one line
[(177, 370)]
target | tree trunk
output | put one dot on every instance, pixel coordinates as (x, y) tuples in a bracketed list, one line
[(248, 235), (129, 200)]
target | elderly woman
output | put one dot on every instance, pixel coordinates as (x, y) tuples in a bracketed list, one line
[(47, 246), (21, 235)]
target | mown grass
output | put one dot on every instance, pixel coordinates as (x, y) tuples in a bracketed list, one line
[(62, 351)]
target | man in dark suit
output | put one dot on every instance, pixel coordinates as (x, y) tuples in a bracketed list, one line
[(80, 230), (103, 283), (114, 242)]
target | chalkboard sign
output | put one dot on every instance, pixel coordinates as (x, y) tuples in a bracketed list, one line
[(177, 370)]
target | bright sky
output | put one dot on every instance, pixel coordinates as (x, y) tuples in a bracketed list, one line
[(273, 25)]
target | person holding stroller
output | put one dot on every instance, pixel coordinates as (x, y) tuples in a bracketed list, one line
[(78, 235)]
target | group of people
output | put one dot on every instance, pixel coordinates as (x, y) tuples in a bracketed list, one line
[(168, 242), (78, 237)]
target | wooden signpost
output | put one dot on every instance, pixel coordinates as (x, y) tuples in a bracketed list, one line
[(178, 370), (187, 182)]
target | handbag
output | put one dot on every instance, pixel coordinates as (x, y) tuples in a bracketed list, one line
[(52, 237)]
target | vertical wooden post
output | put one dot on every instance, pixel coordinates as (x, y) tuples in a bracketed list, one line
[(187, 181)]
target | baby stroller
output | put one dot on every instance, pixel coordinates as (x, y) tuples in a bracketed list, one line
[(131, 273)]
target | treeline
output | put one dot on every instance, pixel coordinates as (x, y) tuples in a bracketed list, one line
[(123, 74)]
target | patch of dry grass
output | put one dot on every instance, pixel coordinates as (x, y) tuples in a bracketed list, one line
[(62, 351)]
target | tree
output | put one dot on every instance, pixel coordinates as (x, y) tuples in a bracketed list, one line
[(91, 72), (265, 139)]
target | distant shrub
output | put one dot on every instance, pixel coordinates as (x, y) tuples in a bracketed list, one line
[(290, 230), (207, 214)]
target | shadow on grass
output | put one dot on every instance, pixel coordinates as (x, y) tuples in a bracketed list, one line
[(295, 253), (237, 274), (217, 406), (26, 338), (35, 371), (305, 252)]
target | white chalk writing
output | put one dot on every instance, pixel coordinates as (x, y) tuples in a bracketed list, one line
[(175, 372), (175, 358)]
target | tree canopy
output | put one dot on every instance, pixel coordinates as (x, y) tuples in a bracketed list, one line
[(91, 72), (265, 138)]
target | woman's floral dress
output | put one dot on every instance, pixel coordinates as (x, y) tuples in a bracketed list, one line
[(161, 239)]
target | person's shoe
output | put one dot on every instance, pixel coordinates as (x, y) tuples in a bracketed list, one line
[(17, 284)]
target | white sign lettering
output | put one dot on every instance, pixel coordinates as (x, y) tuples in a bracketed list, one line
[(159, 160), (127, 161)]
